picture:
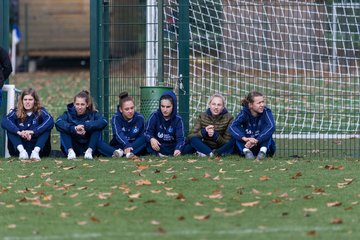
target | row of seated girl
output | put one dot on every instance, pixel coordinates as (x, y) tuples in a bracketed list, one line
[(215, 132)]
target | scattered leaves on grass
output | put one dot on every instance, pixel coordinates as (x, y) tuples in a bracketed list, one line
[(90, 180), (46, 174), (40, 204), (81, 223), (334, 204), (348, 181), (250, 204)]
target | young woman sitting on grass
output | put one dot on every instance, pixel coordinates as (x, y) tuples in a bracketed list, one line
[(28, 127), (80, 129), (128, 128), (210, 136), (253, 128), (164, 130)]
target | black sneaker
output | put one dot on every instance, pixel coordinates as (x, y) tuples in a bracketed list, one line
[(249, 155), (261, 156)]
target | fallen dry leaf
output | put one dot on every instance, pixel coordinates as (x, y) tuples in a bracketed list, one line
[(104, 204), (235, 213), (333, 204), (206, 175), (131, 208), (104, 195), (64, 215), (296, 175), (219, 210), (74, 195), (336, 221), (141, 182), (11, 226), (264, 178), (156, 191), (135, 195), (94, 219), (199, 204), (90, 180), (191, 161), (154, 222), (310, 209), (202, 217), (81, 223), (250, 204)]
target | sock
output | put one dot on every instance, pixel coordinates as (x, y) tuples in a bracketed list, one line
[(20, 148), (263, 149), (36, 149), (89, 150)]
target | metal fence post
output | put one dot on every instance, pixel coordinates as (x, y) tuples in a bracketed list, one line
[(95, 51), (184, 38), (4, 42)]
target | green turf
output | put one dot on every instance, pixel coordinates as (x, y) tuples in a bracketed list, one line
[(187, 198)]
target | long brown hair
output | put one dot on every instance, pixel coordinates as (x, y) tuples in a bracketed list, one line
[(250, 98), (21, 112), (88, 99)]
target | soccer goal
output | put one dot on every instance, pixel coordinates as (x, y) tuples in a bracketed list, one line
[(12, 95), (303, 55)]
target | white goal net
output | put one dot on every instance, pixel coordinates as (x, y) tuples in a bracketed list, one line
[(303, 55)]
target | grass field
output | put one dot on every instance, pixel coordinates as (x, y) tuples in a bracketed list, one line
[(180, 198)]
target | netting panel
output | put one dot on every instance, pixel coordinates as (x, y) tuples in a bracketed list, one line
[(304, 56)]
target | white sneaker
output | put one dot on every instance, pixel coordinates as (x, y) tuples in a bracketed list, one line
[(71, 155), (23, 155), (200, 154), (88, 155), (35, 155), (162, 155), (118, 153), (130, 155)]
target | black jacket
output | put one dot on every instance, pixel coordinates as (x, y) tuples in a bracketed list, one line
[(5, 66)]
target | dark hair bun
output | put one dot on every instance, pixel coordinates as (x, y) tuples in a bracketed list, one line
[(123, 95)]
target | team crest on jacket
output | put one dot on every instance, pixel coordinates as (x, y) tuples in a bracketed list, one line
[(160, 135), (135, 130), (170, 130)]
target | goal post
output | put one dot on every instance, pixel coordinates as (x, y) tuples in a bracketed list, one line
[(303, 55)]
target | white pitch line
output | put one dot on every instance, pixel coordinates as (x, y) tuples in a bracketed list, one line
[(248, 231)]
